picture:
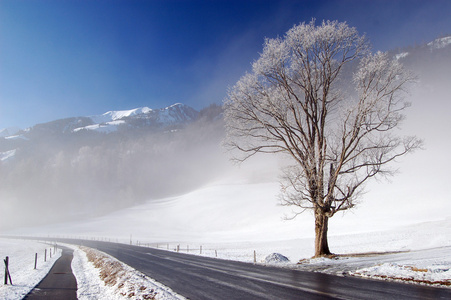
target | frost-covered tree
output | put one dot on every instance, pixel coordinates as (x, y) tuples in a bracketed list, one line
[(338, 129)]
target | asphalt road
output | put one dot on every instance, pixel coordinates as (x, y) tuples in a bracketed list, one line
[(197, 277), (59, 283)]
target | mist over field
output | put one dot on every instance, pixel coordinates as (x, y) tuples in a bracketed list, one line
[(55, 177), (51, 177)]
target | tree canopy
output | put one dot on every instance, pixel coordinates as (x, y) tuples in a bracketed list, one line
[(319, 95)]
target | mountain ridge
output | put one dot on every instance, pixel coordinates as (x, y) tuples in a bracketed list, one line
[(176, 114), (110, 121)]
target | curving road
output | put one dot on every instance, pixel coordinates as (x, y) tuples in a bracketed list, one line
[(197, 277)]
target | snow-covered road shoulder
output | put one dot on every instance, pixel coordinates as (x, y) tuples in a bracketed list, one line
[(433, 275), (426, 266), (100, 276)]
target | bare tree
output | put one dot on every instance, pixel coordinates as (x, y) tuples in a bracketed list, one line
[(338, 128)]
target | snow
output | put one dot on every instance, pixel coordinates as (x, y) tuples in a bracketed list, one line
[(276, 258), (401, 55), (4, 156), (21, 265), (120, 114), (10, 131), (440, 43), (238, 214), (109, 121), (130, 284), (424, 246), (208, 214), (434, 273), (173, 105), (16, 137), (90, 286), (107, 127), (233, 217)]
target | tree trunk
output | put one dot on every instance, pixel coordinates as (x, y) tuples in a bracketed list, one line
[(321, 245)]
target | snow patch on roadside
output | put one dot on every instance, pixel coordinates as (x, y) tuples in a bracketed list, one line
[(113, 279), (435, 274), (425, 266)]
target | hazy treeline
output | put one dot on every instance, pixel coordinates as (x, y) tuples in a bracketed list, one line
[(60, 177)]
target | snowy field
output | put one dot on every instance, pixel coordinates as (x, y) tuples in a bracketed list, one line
[(21, 266), (232, 218)]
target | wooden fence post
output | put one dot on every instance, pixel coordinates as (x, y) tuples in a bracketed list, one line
[(35, 260), (45, 254), (255, 257), (7, 274), (6, 269)]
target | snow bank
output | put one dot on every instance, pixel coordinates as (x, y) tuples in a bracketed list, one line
[(276, 258), (427, 266), (100, 276), (434, 274)]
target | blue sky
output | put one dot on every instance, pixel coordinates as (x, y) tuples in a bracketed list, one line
[(67, 58)]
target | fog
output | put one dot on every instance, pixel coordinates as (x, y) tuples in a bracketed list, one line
[(89, 174), (424, 176), (73, 177)]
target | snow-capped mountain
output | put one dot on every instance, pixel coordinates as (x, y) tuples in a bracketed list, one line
[(140, 117), (117, 115), (126, 121), (111, 121)]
